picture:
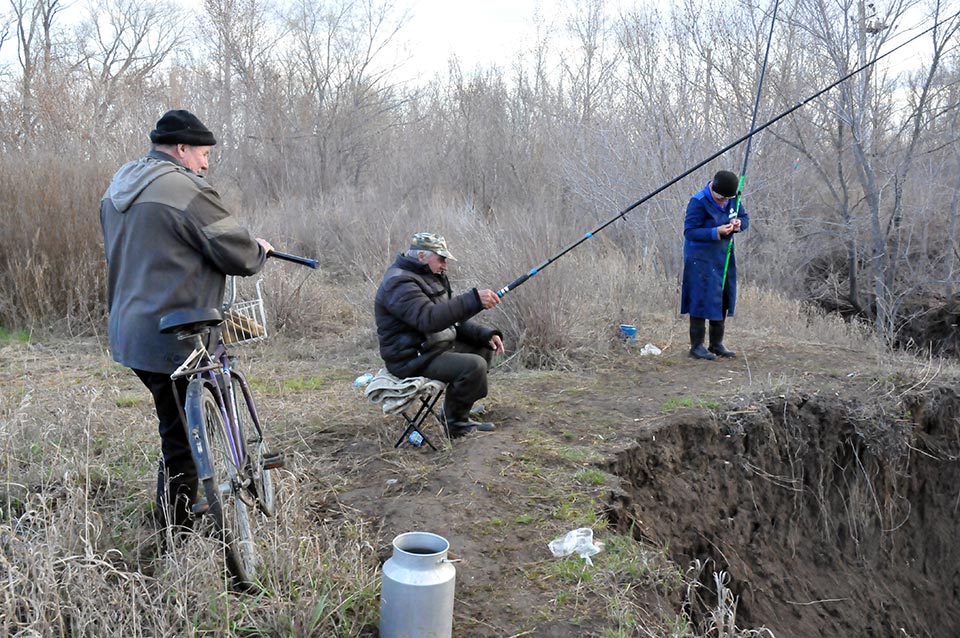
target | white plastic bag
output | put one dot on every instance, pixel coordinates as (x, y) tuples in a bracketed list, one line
[(579, 541), (650, 349)]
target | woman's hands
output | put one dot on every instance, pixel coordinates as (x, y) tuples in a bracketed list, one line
[(729, 228)]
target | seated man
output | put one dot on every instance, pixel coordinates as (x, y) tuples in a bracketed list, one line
[(424, 330)]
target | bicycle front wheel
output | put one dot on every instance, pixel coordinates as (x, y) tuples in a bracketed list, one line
[(250, 430), (230, 515)]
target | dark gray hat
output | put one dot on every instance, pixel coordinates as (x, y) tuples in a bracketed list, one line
[(725, 183), (181, 127)]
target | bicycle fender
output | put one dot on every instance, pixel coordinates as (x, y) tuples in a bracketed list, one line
[(196, 430)]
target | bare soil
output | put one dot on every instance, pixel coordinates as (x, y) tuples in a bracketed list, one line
[(825, 487)]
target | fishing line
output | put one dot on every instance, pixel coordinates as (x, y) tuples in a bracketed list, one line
[(534, 271), (746, 153)]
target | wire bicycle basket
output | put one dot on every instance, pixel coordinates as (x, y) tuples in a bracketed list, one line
[(244, 321)]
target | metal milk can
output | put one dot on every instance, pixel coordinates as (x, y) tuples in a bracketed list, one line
[(416, 597)]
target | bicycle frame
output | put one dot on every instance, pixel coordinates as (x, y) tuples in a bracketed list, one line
[(216, 372), (232, 460)]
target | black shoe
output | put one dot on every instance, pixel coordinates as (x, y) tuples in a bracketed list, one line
[(459, 428), (699, 352), (719, 350)]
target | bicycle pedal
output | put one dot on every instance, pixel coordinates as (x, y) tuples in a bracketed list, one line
[(200, 507), (273, 460), (248, 499)]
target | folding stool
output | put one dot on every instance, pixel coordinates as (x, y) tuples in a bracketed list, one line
[(403, 396)]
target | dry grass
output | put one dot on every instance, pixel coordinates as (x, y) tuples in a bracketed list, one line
[(51, 260), (52, 272), (80, 555), (564, 316)]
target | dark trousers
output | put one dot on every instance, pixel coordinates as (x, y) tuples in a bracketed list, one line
[(464, 370), (698, 325), (698, 331), (177, 475)]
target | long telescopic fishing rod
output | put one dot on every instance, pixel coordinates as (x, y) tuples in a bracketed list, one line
[(746, 153), (520, 280)]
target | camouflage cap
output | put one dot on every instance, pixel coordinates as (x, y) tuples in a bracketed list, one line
[(432, 242)]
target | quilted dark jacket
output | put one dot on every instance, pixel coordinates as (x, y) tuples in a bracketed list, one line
[(413, 307)]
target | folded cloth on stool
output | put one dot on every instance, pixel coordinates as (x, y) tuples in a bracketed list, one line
[(395, 395)]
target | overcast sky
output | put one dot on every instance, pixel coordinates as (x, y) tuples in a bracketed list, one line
[(488, 31), (494, 32), (478, 33)]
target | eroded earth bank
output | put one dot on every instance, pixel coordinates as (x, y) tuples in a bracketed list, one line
[(830, 515)]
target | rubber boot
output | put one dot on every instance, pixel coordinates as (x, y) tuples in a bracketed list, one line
[(469, 425), (457, 427), (716, 341), (698, 330)]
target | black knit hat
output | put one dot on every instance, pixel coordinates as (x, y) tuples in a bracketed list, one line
[(725, 183), (181, 127)]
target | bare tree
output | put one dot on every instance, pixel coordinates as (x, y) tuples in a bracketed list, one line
[(6, 26), (126, 43), (589, 69), (860, 122), (337, 53), (34, 23), (930, 99), (243, 40), (951, 133)]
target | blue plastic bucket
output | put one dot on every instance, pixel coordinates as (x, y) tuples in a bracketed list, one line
[(628, 332)]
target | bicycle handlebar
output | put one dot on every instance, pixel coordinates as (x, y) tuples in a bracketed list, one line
[(303, 261)]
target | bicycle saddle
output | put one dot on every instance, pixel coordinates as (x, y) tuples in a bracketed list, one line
[(190, 320)]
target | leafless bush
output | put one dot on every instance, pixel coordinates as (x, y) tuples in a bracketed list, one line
[(324, 150), (51, 260)]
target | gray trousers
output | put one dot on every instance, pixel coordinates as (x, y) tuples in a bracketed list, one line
[(464, 370)]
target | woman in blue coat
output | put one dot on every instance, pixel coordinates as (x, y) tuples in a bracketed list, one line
[(708, 231)]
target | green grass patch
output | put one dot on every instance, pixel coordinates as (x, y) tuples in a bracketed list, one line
[(293, 384), (304, 384), (326, 380), (570, 571), (591, 477), (130, 400), (491, 525), (689, 402), (13, 336), (579, 454), (578, 510)]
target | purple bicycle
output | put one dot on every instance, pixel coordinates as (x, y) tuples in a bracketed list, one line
[(233, 460)]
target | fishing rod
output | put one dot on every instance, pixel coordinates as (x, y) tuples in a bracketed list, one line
[(523, 278), (746, 153)]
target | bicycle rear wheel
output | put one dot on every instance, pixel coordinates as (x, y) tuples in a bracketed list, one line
[(230, 515), (263, 486)]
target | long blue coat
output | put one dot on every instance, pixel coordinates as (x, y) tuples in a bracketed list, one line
[(704, 255)]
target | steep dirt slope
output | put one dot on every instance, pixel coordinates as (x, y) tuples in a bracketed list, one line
[(833, 516)]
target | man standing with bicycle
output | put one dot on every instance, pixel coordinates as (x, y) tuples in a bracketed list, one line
[(424, 330), (169, 242)]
